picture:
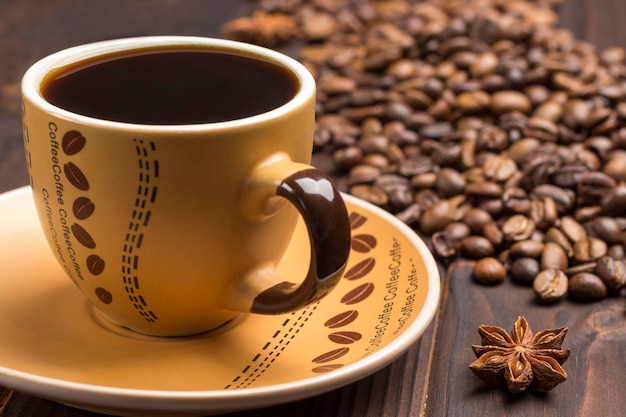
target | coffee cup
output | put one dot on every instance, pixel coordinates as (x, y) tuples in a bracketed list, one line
[(169, 174)]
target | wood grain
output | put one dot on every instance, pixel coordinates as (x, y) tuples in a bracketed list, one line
[(432, 378)]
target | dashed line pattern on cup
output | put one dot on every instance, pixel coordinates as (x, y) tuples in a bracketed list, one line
[(140, 218)]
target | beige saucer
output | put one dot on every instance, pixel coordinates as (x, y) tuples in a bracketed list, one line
[(54, 345)]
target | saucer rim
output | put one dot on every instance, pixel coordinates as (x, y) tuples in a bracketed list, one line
[(98, 397)]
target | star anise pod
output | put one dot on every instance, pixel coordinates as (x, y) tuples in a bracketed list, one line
[(263, 28), (521, 360)]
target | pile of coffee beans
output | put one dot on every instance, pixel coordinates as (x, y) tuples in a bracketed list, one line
[(496, 134)]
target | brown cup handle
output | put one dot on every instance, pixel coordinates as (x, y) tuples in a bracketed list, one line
[(325, 215)]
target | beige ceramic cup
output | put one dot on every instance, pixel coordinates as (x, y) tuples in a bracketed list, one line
[(175, 229)]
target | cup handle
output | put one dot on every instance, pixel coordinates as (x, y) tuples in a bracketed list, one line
[(325, 216)]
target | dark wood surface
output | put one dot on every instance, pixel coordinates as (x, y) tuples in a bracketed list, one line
[(432, 378)]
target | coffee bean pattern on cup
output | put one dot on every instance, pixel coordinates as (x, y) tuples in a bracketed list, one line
[(72, 143), (435, 109), (83, 207)]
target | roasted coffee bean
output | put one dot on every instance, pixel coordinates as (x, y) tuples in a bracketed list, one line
[(572, 229), (348, 157), (363, 174), (611, 271), (615, 166), (437, 131), (443, 244), (606, 228), (389, 182), (553, 257), (614, 203), (457, 231), (494, 234), (426, 198), (416, 165), (601, 121), (538, 168), (449, 182), (518, 227), (335, 84), (592, 187), (543, 212), (549, 110), (524, 270), (550, 285), (489, 271), (476, 247), (376, 160), (399, 198), (543, 129), (563, 198), (586, 286), (441, 214), (447, 155), (508, 101), (515, 200), (617, 251), (484, 64), (370, 194), (476, 219), (587, 213), (473, 101), (537, 93), (484, 189), (374, 143), (522, 150), (492, 138), (555, 235), (569, 176), (424, 181), (527, 248), (499, 168)]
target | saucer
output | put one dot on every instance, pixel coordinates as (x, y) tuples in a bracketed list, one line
[(56, 346)]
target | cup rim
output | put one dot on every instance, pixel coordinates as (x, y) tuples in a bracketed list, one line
[(36, 73)]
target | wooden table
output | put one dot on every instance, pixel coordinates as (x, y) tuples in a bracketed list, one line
[(432, 378)]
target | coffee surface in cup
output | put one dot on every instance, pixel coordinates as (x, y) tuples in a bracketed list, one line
[(171, 87)]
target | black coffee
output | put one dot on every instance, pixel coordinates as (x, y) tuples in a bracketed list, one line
[(164, 86)]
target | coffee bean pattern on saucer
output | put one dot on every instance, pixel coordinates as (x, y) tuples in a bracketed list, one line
[(362, 243), (72, 143), (146, 196), (340, 333)]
